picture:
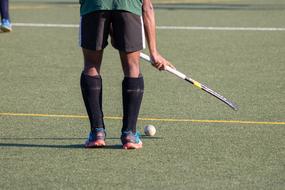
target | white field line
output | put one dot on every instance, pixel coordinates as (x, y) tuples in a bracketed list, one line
[(219, 28), (160, 27), (46, 25)]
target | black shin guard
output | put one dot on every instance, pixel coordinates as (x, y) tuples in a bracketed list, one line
[(132, 92), (91, 88)]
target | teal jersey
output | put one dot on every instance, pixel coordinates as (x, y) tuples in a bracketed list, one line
[(133, 6)]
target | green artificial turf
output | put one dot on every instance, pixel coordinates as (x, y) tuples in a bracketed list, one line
[(39, 74)]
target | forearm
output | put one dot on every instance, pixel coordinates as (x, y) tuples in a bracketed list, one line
[(150, 32), (149, 26)]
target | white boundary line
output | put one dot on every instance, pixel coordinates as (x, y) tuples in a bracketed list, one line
[(159, 27)]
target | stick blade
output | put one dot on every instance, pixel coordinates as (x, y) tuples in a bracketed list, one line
[(230, 103), (233, 105)]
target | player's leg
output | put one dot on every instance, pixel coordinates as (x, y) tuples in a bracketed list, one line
[(6, 25), (91, 87), (127, 34), (93, 40), (132, 89), (132, 94)]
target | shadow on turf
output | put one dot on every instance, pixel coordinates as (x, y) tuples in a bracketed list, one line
[(38, 138), (48, 138), (65, 138), (40, 145), (69, 146), (148, 137)]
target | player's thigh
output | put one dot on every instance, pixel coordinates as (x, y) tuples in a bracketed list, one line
[(94, 30), (128, 33)]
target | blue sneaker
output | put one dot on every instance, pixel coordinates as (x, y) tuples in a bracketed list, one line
[(96, 139), (131, 140), (6, 25)]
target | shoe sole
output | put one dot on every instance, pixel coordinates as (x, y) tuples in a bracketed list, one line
[(6, 29), (95, 144), (132, 146)]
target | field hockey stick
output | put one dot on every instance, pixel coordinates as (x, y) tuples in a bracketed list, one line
[(195, 83)]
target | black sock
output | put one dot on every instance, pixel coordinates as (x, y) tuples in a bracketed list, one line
[(132, 92), (91, 88)]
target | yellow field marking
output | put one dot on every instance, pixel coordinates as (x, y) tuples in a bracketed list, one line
[(148, 119)]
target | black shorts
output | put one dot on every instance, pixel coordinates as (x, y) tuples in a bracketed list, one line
[(128, 35)]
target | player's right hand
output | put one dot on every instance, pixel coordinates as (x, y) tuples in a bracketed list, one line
[(160, 62)]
